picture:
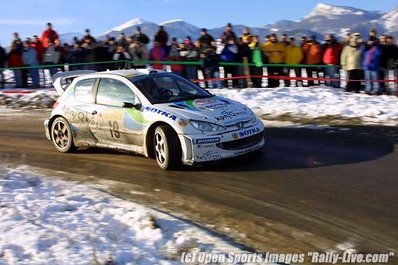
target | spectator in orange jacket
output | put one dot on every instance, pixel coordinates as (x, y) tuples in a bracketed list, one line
[(312, 55), (49, 36)]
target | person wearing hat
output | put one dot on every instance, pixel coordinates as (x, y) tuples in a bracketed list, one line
[(141, 37), (205, 39), (228, 34), (162, 37), (371, 54), (87, 35), (373, 33), (49, 36)]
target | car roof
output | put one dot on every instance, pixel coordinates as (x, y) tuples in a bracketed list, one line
[(128, 73)]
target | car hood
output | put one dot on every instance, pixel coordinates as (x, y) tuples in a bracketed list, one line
[(215, 109)]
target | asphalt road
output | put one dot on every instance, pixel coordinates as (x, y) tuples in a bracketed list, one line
[(307, 190)]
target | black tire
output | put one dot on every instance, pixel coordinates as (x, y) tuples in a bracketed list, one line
[(61, 135), (166, 147)]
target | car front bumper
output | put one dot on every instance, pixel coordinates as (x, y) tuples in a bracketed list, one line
[(200, 148), (47, 129)]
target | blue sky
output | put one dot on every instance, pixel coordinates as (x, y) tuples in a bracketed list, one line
[(29, 17)]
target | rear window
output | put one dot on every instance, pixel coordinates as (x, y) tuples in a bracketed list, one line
[(84, 90)]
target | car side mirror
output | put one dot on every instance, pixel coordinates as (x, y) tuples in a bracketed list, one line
[(130, 105)]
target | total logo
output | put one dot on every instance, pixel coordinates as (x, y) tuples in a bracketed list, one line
[(249, 132), (209, 155)]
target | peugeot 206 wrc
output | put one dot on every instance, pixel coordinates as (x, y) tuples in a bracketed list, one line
[(154, 113)]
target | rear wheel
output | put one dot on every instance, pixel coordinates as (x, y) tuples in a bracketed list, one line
[(61, 135), (167, 147)]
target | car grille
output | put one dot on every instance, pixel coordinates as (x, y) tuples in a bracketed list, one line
[(242, 143)]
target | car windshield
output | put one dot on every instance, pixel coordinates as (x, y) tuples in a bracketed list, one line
[(167, 87)]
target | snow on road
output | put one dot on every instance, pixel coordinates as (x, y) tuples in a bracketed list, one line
[(44, 220), (298, 102)]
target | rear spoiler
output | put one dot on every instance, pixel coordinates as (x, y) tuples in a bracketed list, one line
[(62, 80)]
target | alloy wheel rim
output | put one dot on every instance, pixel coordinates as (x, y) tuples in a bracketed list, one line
[(160, 152), (61, 134)]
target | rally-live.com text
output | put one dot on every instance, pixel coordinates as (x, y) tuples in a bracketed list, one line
[(295, 258)]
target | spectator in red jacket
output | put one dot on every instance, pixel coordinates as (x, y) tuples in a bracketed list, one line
[(331, 57), (14, 59), (157, 53), (36, 44), (49, 36)]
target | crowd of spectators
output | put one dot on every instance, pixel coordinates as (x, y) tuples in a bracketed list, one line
[(281, 58)]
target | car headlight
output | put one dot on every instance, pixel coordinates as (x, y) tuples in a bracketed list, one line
[(253, 118), (207, 126)]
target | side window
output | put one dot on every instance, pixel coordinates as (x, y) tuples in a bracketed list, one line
[(114, 92), (83, 90)]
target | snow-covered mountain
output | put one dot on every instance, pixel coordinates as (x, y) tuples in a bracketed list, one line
[(323, 19), (341, 19)]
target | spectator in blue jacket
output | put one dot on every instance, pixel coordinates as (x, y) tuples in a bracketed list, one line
[(229, 54), (29, 58), (371, 54)]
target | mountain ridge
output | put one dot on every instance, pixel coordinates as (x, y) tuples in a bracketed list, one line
[(323, 19)]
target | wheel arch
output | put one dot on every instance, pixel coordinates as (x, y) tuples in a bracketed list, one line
[(149, 137), (50, 123)]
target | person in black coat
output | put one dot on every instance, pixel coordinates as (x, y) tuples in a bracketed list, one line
[(3, 58), (228, 34), (205, 40), (162, 37), (211, 67), (141, 37)]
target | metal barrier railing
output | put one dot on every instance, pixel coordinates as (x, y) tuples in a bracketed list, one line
[(247, 76)]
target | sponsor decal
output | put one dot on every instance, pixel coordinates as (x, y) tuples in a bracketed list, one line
[(134, 120), (205, 145), (240, 125), (251, 149), (82, 116), (208, 140), (217, 105), (209, 155), (114, 115), (249, 132), (183, 122), (204, 101), (188, 104), (228, 115), (160, 112)]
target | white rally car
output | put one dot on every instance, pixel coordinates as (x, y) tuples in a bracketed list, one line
[(153, 113)]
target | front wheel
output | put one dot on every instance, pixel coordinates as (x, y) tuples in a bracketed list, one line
[(61, 135), (167, 147)]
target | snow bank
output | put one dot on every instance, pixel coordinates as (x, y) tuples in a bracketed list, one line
[(40, 99), (49, 221), (299, 102), (316, 102)]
